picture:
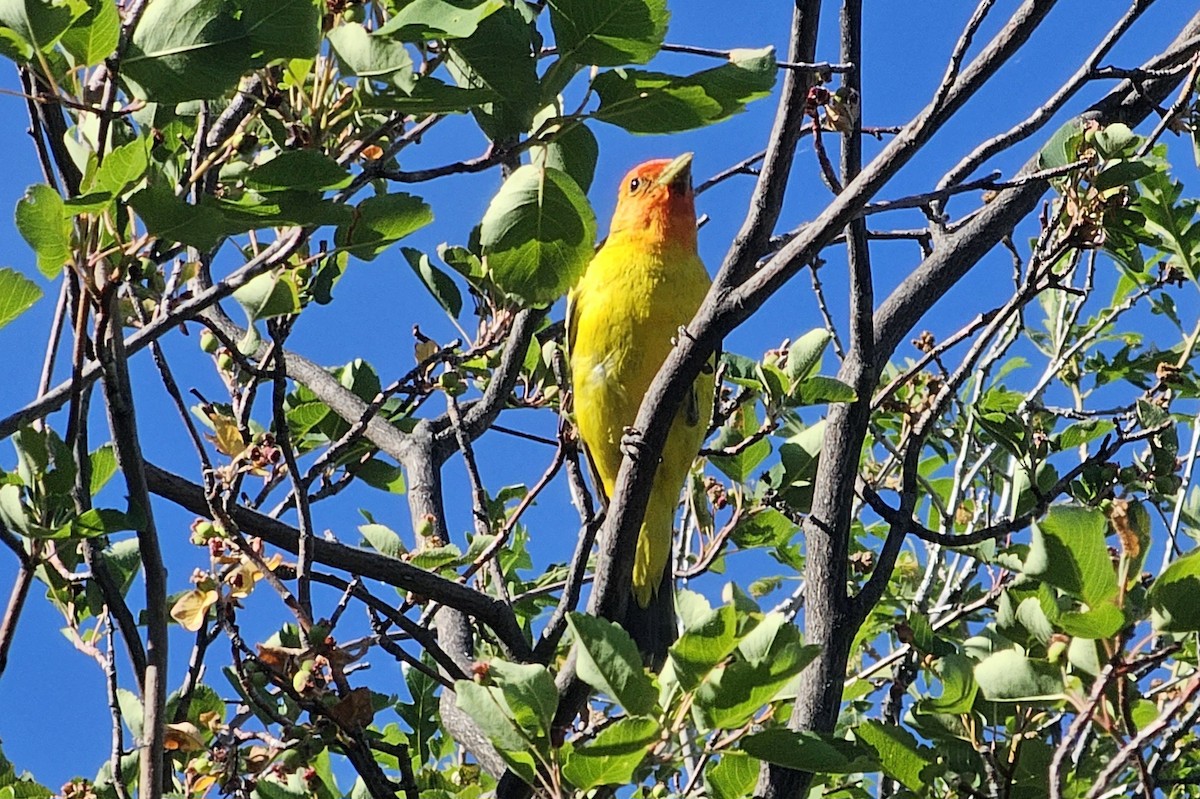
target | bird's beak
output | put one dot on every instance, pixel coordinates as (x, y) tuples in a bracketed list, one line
[(678, 173)]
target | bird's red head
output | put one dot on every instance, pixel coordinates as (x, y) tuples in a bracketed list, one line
[(656, 200)]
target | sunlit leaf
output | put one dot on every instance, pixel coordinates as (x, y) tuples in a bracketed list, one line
[(538, 234), (655, 102), (421, 20), (609, 661), (381, 221), (1009, 676), (195, 49), (614, 754), (17, 294), (42, 222), (609, 32)]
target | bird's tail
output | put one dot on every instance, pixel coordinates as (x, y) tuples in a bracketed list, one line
[(653, 627)]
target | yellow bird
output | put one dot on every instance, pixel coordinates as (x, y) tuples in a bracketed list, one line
[(622, 317)]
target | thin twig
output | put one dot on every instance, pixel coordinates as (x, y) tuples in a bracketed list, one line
[(820, 67), (117, 750), (283, 440)]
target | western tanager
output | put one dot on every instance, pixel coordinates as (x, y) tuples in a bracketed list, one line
[(623, 315)]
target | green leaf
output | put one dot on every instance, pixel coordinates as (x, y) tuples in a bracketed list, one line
[(771, 655), (1068, 551), (93, 36), (270, 294), (14, 517), (253, 210), (1114, 140), (704, 645), (381, 221), (573, 150), (608, 33), (809, 751), (1122, 173), (805, 354), (383, 539), (381, 475), (104, 466), (1102, 621), (131, 711), (924, 639), (429, 96), (538, 234), (488, 709), (1062, 147), (741, 466), (123, 559), (440, 285), (434, 558), (38, 23), (422, 715), (328, 274), (17, 294), (305, 170), (1173, 595), (123, 167), (733, 776), (198, 49), (267, 788), (958, 687), (42, 221), (370, 55), (614, 755), (1084, 432), (1009, 676), (897, 751), (95, 522), (499, 57), (608, 660), (422, 20), (765, 527), (517, 708), (654, 102), (821, 390), (171, 219)]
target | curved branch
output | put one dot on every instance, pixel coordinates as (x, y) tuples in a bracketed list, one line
[(373, 565), (271, 256)]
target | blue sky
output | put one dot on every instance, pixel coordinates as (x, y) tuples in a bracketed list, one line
[(52, 697)]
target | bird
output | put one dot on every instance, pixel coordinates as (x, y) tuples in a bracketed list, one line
[(642, 287)]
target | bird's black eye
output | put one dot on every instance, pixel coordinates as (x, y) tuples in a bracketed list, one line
[(634, 185)]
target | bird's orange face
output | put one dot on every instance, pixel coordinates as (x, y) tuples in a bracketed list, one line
[(656, 200)]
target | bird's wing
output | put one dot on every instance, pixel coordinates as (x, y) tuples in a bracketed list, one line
[(571, 322)]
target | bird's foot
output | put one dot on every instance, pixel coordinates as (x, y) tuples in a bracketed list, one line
[(632, 441)]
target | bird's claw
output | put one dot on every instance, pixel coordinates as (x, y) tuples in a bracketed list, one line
[(631, 441)]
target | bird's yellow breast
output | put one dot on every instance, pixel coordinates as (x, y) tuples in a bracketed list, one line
[(626, 311)]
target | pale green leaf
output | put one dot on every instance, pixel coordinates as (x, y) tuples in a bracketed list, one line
[(655, 102), (613, 756), (17, 294), (1009, 676), (609, 661), (94, 36), (421, 20), (42, 221)]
